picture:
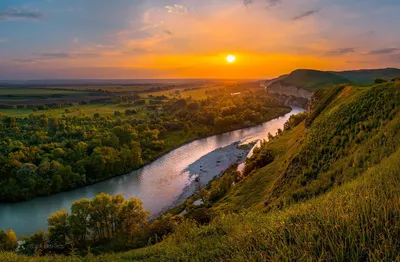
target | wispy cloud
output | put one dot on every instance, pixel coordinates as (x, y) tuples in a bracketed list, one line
[(340, 51), (24, 61), (89, 52), (305, 14), (383, 51), (177, 9), (271, 3), (55, 55), (20, 14)]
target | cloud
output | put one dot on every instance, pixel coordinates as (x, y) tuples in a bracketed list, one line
[(383, 51), (20, 14), (268, 3), (305, 14), (271, 3), (167, 32), (340, 51), (24, 61), (54, 55), (177, 9)]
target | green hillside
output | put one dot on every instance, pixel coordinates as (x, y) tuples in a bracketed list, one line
[(325, 189), (367, 76), (331, 190), (313, 79)]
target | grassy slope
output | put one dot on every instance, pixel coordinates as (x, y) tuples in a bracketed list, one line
[(313, 79), (357, 221), (353, 217)]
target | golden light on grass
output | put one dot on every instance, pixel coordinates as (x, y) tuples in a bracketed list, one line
[(231, 59)]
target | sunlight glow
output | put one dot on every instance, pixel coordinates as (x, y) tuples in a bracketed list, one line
[(230, 58)]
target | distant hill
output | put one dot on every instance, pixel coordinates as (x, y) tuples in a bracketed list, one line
[(312, 80), (367, 76)]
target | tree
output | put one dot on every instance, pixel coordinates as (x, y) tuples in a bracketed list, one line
[(34, 244), (125, 133), (58, 228), (12, 240), (3, 239), (133, 216), (186, 128), (100, 216), (79, 220), (270, 136), (379, 81)]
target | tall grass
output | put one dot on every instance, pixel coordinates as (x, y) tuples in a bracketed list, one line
[(355, 222)]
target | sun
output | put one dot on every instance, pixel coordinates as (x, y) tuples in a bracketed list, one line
[(230, 58)]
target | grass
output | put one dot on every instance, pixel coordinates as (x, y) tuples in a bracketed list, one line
[(198, 94), (79, 110), (250, 193), (313, 79), (355, 222)]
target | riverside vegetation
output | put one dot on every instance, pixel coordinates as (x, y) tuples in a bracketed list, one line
[(325, 188), (42, 155)]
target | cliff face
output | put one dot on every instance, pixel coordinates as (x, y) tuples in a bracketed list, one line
[(278, 88)]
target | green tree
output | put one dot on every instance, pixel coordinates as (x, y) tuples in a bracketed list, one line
[(58, 228), (133, 217), (125, 133), (3, 239), (79, 220), (100, 216), (35, 244)]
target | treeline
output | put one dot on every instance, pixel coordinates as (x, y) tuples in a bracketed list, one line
[(41, 155), (37, 107), (106, 223)]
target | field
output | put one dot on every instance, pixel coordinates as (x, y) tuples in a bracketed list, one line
[(36, 96), (20, 101), (78, 110)]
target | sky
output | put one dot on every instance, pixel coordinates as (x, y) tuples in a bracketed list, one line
[(105, 39)]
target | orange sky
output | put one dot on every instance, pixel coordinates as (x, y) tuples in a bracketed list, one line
[(190, 39)]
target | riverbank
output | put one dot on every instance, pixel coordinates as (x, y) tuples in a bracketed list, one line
[(209, 167), (162, 154), (158, 184)]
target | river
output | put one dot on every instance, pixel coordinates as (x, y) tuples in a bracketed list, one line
[(159, 184)]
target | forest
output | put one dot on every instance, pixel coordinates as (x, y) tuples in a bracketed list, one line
[(42, 155)]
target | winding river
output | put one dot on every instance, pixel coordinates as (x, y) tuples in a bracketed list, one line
[(159, 184)]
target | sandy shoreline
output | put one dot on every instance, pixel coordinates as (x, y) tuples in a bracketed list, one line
[(210, 166)]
